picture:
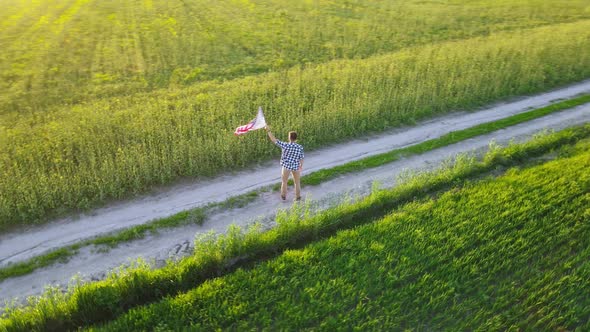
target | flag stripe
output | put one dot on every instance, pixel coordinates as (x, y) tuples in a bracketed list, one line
[(258, 123)]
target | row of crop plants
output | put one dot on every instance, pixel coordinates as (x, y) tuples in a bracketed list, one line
[(507, 253), (65, 51), (108, 149), (91, 303)]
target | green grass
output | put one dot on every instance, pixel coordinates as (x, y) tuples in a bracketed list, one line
[(18, 269), (199, 215), (101, 301), (80, 155), (193, 216), (59, 52), (501, 254)]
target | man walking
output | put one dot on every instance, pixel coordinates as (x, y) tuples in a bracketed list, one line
[(291, 162)]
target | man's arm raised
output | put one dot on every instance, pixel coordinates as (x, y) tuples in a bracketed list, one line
[(270, 135)]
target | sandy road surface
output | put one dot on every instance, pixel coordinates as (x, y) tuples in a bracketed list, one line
[(174, 242)]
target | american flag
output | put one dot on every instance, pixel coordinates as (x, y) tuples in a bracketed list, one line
[(258, 123)]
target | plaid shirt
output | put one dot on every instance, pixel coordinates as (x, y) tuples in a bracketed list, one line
[(292, 154)]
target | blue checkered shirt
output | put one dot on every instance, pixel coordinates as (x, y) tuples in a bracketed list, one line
[(292, 153)]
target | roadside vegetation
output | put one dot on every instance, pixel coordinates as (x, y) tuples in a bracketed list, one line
[(85, 304), (506, 253), (199, 215), (320, 176), (114, 138)]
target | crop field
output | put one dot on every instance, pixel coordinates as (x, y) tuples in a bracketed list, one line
[(101, 100), (507, 253), (64, 51), (526, 201)]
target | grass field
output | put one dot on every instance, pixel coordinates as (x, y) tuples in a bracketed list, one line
[(90, 303), (80, 155), (65, 51), (501, 254)]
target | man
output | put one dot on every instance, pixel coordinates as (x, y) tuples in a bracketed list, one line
[(291, 162)]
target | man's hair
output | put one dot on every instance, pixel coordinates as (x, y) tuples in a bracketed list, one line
[(293, 135)]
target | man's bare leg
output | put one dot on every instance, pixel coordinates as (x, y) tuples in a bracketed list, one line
[(297, 181), (284, 179)]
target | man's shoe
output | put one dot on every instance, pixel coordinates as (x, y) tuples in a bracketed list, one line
[(284, 198), (298, 198)]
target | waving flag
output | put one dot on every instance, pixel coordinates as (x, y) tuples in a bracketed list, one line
[(257, 123)]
